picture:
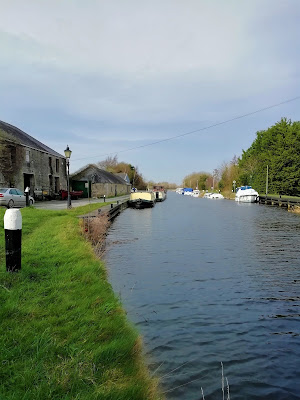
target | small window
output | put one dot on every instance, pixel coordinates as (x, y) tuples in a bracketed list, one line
[(13, 153), (19, 192), (57, 186), (50, 162), (27, 156), (13, 191), (57, 165)]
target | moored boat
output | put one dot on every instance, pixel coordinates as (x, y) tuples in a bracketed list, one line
[(159, 193), (196, 193), (246, 194), (142, 199), (187, 191), (216, 196)]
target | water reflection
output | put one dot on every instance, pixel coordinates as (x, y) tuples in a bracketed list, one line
[(209, 281)]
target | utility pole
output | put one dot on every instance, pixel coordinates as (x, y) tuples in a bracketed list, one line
[(267, 180)]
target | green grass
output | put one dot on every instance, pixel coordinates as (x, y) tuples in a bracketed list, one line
[(64, 334), (282, 197)]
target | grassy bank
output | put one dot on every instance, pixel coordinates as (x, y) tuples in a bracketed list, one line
[(64, 334)]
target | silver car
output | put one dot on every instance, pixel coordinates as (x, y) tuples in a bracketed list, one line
[(12, 197)]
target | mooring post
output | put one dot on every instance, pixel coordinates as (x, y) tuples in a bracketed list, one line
[(104, 198), (13, 239)]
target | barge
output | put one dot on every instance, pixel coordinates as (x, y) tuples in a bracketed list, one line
[(142, 199)]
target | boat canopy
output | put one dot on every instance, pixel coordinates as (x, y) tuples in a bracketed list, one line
[(244, 187), (187, 189)]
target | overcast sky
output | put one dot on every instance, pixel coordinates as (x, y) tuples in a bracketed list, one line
[(108, 76)]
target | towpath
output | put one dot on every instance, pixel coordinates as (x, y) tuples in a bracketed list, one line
[(62, 204)]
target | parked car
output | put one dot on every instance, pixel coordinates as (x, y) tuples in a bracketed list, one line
[(12, 197)]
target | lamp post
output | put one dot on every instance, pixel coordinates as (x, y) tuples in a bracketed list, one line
[(68, 153), (133, 169), (234, 182)]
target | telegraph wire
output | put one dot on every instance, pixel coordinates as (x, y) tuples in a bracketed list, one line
[(196, 130)]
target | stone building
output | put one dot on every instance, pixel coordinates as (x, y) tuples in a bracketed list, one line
[(96, 182), (24, 161)]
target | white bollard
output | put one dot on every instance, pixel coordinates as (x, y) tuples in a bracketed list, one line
[(13, 239)]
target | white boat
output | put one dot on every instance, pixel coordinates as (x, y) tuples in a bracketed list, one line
[(141, 199), (246, 194), (216, 196), (195, 193), (187, 191), (159, 193), (207, 195)]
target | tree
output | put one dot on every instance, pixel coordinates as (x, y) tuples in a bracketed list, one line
[(278, 147), (229, 172), (109, 164), (202, 179)]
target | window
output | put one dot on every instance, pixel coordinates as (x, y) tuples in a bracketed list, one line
[(27, 156), (19, 192), (13, 191), (56, 183), (57, 165), (50, 162), (13, 156)]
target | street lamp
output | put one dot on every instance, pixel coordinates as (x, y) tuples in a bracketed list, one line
[(133, 169), (68, 153)]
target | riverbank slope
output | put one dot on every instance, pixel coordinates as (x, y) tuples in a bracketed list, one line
[(64, 334)]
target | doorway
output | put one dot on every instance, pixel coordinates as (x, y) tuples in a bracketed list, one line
[(28, 181)]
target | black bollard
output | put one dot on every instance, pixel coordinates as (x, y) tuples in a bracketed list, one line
[(111, 206), (104, 198), (13, 239)]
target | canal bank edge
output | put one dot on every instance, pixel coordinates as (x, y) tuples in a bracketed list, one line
[(67, 334)]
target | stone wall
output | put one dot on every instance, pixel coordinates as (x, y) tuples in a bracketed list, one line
[(25, 166), (109, 189)]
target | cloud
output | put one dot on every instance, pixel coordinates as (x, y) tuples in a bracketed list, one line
[(121, 73)]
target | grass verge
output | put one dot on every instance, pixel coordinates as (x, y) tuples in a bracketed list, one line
[(64, 334)]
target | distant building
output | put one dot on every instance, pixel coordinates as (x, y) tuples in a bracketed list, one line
[(124, 176), (24, 161), (96, 182)]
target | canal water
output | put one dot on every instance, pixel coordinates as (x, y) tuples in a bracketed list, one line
[(211, 281)]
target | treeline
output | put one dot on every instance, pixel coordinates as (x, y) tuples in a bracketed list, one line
[(200, 180), (277, 150), (111, 164), (166, 185)]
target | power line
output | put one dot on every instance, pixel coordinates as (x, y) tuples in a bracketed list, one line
[(196, 130)]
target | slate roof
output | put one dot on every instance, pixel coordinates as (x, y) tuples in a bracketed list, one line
[(23, 138), (124, 176), (96, 175)]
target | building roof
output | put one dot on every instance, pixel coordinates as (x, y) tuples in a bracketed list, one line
[(19, 136), (124, 176), (94, 174)]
